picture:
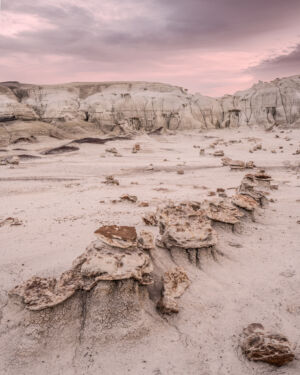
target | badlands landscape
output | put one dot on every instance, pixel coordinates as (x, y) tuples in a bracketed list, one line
[(146, 230)]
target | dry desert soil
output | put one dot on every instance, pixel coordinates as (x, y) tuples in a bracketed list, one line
[(59, 200)]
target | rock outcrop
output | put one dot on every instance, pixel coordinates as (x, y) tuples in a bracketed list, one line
[(114, 256), (128, 107)]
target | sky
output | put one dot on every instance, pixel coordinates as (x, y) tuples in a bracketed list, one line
[(209, 46)]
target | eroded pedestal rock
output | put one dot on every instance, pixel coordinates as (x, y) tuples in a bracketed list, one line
[(185, 226), (222, 211), (114, 256)]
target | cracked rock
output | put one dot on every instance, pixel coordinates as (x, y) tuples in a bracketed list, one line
[(146, 240), (244, 201), (185, 226), (150, 219), (118, 236), (129, 198), (259, 345), (223, 211), (175, 282), (115, 256)]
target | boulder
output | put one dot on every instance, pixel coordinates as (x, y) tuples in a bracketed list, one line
[(272, 348)]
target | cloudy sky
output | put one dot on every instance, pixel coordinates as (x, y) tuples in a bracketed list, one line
[(208, 46)]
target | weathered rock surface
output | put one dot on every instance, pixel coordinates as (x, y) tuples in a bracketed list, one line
[(175, 282), (128, 107), (115, 256), (259, 345), (12, 221), (244, 201), (129, 198), (185, 226), (222, 211), (237, 164)]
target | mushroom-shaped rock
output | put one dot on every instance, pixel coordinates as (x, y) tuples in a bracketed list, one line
[(115, 256), (248, 187), (106, 263), (259, 345), (244, 201), (262, 175), (118, 236), (222, 211), (185, 226), (175, 282)]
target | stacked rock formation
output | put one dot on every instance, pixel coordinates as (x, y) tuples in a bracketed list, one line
[(120, 255)]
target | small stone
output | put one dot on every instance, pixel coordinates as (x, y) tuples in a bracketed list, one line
[(219, 153), (143, 204), (11, 221), (129, 198), (150, 219), (211, 193), (110, 180), (112, 150), (136, 148)]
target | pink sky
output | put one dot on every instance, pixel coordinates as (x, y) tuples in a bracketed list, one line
[(204, 51)]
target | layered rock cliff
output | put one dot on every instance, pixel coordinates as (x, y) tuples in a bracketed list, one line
[(143, 106)]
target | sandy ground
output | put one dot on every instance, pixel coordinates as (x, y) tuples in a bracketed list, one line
[(62, 200)]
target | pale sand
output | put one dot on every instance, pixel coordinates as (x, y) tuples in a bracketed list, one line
[(61, 200)]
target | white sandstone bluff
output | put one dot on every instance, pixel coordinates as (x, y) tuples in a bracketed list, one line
[(142, 106)]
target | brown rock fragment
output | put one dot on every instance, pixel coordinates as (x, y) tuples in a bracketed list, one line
[(259, 345), (150, 219), (119, 236), (222, 211), (185, 226), (110, 180), (129, 198), (219, 153), (244, 201), (144, 204), (11, 221), (136, 148)]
